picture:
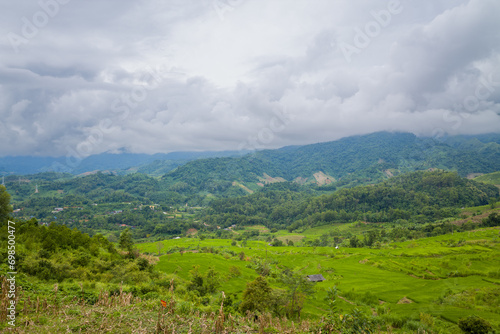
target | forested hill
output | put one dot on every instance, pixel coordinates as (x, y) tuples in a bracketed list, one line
[(352, 160), (417, 197)]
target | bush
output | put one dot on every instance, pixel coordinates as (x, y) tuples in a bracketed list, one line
[(474, 324), (184, 308), (142, 263), (394, 320), (413, 326), (234, 271)]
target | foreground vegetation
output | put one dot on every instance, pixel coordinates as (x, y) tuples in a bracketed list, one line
[(425, 285), (412, 254)]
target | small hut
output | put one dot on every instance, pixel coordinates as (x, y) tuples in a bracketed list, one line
[(316, 278)]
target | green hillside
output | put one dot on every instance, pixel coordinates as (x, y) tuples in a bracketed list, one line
[(347, 162), (323, 167), (491, 178), (154, 207), (417, 197)]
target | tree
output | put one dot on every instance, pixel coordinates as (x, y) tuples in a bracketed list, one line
[(126, 242), (492, 220), (354, 242), (142, 263), (256, 296), (159, 245), (212, 280), (196, 283), (298, 288), (492, 202), (371, 238), (5, 207), (203, 284)]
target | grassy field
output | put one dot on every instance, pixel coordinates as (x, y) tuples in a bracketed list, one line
[(449, 276)]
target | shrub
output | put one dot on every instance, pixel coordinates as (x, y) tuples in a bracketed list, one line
[(234, 271), (395, 321), (474, 324), (427, 319), (413, 326), (142, 263), (184, 308)]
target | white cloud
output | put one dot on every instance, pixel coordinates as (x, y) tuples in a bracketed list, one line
[(172, 75)]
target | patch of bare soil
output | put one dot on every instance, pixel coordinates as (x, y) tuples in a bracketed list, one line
[(405, 300), (192, 231), (475, 219), (269, 179), (322, 178), (236, 184), (151, 259), (300, 180), (474, 175)]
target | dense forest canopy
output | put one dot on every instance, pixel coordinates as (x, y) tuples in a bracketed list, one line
[(419, 197), (351, 160)]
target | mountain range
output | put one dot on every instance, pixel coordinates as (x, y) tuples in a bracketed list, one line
[(120, 163), (346, 162)]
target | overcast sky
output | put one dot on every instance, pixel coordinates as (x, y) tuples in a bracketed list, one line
[(85, 77)]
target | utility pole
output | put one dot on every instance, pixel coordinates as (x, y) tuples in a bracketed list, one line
[(266, 251)]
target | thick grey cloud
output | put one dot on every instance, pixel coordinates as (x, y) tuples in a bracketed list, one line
[(85, 77)]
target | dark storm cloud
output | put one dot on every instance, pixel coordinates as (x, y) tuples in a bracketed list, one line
[(85, 77)]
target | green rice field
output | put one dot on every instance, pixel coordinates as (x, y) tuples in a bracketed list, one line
[(448, 277)]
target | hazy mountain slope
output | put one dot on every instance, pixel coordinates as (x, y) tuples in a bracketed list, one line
[(23, 165)]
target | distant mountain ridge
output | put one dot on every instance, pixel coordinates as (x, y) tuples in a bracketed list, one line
[(312, 169), (22, 165), (347, 161)]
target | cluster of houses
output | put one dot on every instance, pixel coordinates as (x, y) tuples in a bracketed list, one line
[(56, 210), (228, 228)]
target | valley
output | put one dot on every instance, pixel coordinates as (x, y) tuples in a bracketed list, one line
[(228, 243)]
